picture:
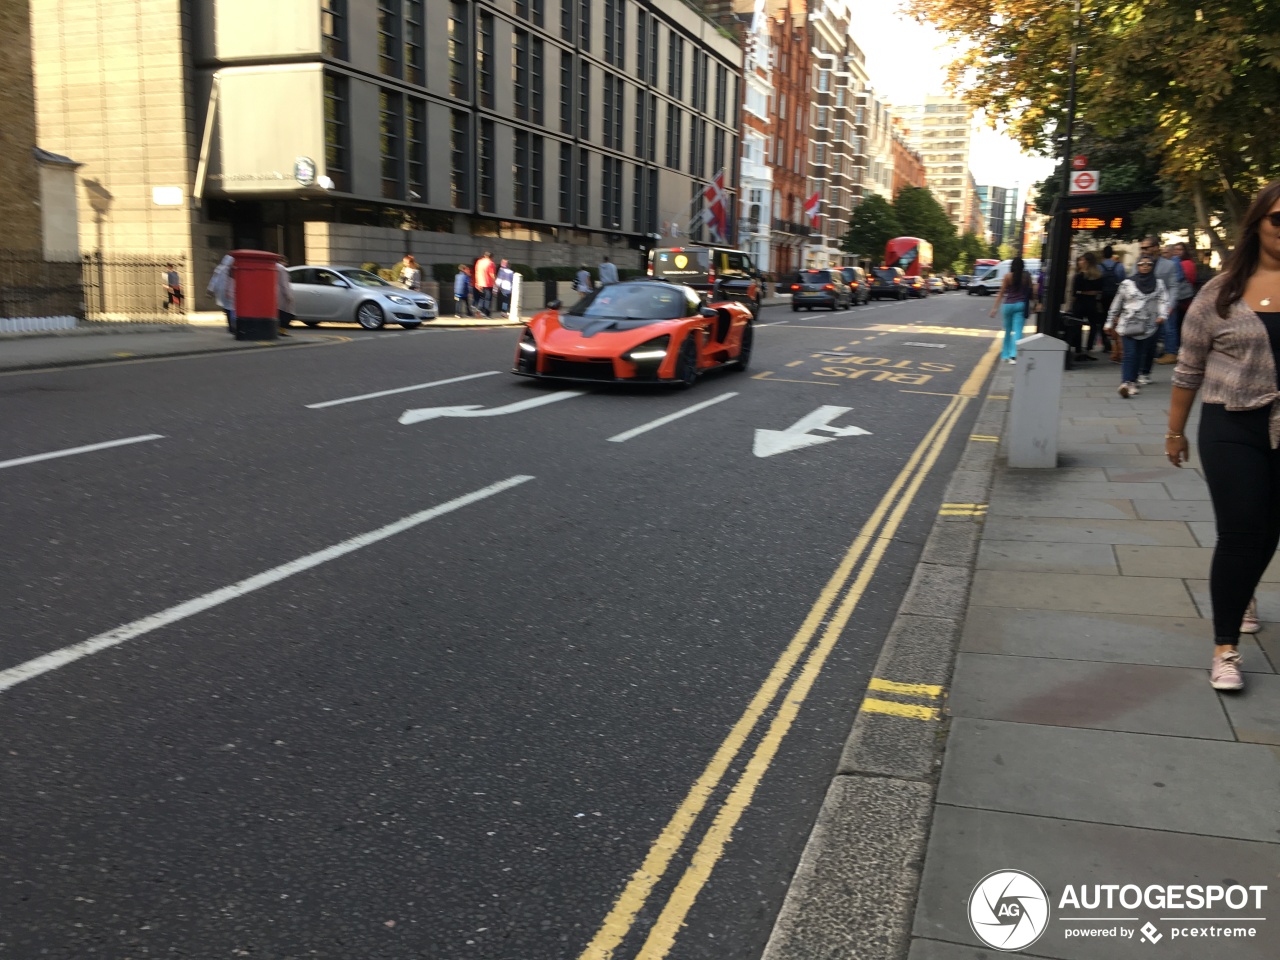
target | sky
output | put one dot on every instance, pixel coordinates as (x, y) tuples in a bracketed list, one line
[(906, 61)]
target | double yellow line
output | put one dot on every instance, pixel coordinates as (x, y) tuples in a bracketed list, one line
[(842, 593)]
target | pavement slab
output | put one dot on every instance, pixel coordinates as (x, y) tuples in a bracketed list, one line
[(1165, 509), (1138, 698), (1108, 637), (1268, 599), (1087, 593), (1256, 716), (966, 845), (1027, 505), (1127, 779), (1032, 556), (1053, 488), (1060, 530)]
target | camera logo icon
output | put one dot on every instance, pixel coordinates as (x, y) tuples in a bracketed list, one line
[(1008, 910)]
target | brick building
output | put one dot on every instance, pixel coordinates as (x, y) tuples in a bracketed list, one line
[(908, 164)]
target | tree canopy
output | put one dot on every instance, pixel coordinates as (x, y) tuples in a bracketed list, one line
[(1195, 84), (873, 224), (921, 215)]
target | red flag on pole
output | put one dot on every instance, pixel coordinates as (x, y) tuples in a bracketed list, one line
[(811, 207)]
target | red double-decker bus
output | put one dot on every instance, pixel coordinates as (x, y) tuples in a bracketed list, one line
[(913, 255)]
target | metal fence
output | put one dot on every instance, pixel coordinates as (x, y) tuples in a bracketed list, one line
[(37, 294), (131, 288)]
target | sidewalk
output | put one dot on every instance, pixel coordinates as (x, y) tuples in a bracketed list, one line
[(1080, 741)]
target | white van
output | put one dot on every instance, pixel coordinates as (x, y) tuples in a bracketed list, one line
[(987, 281)]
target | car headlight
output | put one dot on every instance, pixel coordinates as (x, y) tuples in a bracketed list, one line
[(654, 349), (527, 344), (396, 298)]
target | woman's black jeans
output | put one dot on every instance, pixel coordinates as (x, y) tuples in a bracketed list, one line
[(1243, 474)]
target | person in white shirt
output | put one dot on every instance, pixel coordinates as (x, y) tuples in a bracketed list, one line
[(285, 308), (608, 272)]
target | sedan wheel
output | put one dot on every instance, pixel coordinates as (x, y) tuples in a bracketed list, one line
[(687, 364), (744, 351), (369, 315)]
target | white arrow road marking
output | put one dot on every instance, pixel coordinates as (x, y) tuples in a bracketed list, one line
[(475, 410), (797, 436), (74, 450), (387, 393), (662, 421), (112, 638)]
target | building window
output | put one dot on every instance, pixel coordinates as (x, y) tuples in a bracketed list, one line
[(566, 20), (700, 65), (337, 130), (535, 81), (640, 126), (520, 173), (675, 136), (535, 176), (459, 51), (653, 51), (642, 45), (717, 151), (391, 146), (722, 88), (566, 179), (615, 32), (389, 16), (824, 81), (611, 194), (414, 41), (416, 150), (584, 179), (531, 10), (584, 24), (637, 200), (520, 73), (460, 160), (757, 102), (675, 65), (333, 25), (486, 166), (584, 100), (698, 148), (566, 91), (614, 108), (484, 61), (651, 133), (651, 197)]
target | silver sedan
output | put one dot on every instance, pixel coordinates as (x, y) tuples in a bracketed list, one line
[(352, 295)]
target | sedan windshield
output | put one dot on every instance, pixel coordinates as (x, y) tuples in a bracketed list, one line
[(637, 301), (363, 278)]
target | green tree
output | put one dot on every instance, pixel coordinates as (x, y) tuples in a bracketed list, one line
[(1193, 83), (1005, 251), (872, 225), (921, 215), (971, 248)]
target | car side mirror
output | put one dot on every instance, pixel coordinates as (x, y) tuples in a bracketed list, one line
[(708, 313), (341, 283), (553, 304)]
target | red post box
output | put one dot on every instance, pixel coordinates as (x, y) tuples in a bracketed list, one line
[(257, 315)]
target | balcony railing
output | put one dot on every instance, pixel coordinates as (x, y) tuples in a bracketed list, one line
[(790, 226)]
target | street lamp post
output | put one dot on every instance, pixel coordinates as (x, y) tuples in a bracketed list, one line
[(1061, 244)]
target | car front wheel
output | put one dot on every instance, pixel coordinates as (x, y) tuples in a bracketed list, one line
[(744, 351), (687, 364), (369, 315)]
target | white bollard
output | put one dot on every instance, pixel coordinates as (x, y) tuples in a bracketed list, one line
[(513, 309), (1036, 402)]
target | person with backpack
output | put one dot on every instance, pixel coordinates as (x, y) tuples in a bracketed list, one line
[(1112, 276), (1139, 309)]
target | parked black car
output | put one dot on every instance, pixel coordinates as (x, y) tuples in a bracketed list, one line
[(820, 288), (718, 272), (888, 282), (857, 280)]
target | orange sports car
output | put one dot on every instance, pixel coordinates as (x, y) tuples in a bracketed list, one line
[(637, 331)]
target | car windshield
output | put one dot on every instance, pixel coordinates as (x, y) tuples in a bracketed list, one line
[(642, 300), (363, 278), (885, 273), (815, 276)]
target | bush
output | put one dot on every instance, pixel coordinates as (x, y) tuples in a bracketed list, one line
[(444, 272), (559, 273), (370, 267), (525, 271)]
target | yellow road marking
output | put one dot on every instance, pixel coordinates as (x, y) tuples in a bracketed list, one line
[(124, 353), (929, 690), (941, 331), (930, 393), (821, 383), (621, 918), (762, 375), (910, 710), (997, 396), (983, 438), (978, 377), (795, 363)]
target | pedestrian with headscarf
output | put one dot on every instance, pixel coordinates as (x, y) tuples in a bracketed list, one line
[(1230, 353), (1140, 307)]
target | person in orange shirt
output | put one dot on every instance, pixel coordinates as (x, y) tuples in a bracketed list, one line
[(485, 274)]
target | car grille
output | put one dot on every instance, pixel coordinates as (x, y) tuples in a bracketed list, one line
[(580, 369)]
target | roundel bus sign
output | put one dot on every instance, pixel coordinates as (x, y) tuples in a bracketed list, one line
[(1084, 181)]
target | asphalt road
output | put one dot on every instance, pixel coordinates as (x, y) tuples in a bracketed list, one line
[(464, 737)]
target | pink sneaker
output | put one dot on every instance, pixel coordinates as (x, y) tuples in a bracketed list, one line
[(1225, 672), (1250, 622)]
